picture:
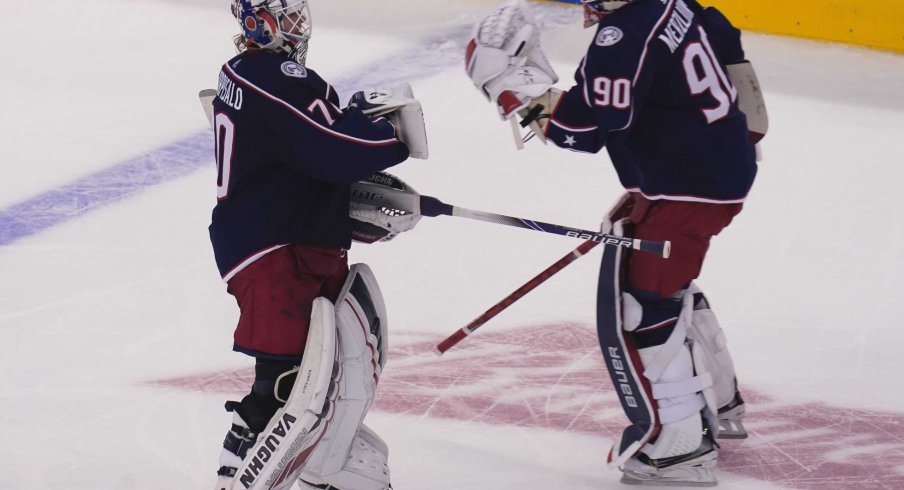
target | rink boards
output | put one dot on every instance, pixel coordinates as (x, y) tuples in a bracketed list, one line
[(874, 23)]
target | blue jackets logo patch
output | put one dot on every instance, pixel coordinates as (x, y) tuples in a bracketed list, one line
[(609, 35), (293, 69)]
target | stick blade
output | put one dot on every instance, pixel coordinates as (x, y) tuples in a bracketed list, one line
[(516, 134), (206, 97)]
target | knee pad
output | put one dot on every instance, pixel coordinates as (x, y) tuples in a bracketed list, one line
[(680, 383), (350, 456)]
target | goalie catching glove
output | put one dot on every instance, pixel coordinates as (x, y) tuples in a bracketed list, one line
[(382, 207), (506, 63), (397, 103)]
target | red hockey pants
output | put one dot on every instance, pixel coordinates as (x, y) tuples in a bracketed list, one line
[(689, 226), (276, 294)]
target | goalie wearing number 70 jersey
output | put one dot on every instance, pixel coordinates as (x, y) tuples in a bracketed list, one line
[(316, 326), (665, 88), (286, 154)]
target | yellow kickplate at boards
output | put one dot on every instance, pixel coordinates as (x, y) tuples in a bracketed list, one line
[(874, 23)]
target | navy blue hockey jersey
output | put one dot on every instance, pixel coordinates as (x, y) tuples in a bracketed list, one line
[(653, 89), (286, 154)]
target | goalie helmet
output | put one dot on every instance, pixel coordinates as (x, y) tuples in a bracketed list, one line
[(279, 25), (594, 10)]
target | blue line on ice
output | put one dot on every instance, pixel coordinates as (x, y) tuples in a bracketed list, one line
[(184, 156)]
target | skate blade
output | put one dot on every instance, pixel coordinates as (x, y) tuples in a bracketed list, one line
[(697, 472), (732, 429), (730, 424), (658, 481)]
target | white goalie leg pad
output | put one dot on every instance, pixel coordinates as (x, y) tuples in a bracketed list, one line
[(282, 449), (680, 383), (708, 335), (367, 467), (351, 456)]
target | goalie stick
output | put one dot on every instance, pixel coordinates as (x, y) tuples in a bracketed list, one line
[(206, 97), (431, 206), (388, 194), (517, 294)]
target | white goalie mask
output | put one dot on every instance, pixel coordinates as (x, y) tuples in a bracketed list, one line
[(280, 25), (594, 10)]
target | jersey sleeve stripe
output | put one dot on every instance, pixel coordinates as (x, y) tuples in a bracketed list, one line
[(304, 117), (572, 128)]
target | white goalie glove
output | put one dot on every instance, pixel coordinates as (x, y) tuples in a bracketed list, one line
[(506, 63), (397, 103), (382, 207)]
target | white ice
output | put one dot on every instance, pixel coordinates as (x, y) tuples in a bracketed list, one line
[(93, 311)]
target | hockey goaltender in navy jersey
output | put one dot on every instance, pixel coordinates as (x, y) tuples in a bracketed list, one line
[(665, 88), (685, 140), (270, 109)]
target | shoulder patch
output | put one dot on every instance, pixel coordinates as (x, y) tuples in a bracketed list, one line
[(608, 36), (293, 69)]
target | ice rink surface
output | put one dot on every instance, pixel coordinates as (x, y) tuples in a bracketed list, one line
[(117, 330)]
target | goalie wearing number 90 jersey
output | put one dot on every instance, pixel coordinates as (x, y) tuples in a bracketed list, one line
[(653, 88), (286, 154)]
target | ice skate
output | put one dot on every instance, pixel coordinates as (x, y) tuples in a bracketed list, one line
[(238, 440), (693, 469)]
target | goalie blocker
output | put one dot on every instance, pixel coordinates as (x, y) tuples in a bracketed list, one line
[(397, 103)]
